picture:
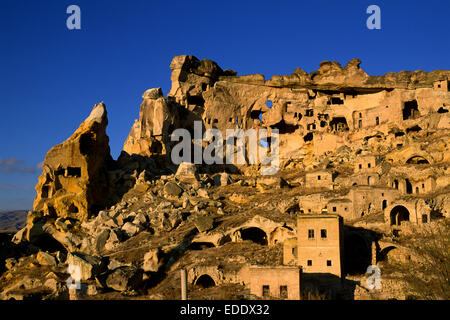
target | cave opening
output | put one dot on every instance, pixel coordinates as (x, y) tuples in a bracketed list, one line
[(284, 128), (399, 214), (74, 172), (357, 254), (308, 137), (254, 234), (417, 160), (411, 110), (205, 281), (339, 124)]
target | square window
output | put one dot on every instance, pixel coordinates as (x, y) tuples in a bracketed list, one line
[(318, 177), (310, 234), (369, 165), (265, 290), (328, 263), (309, 263), (283, 292), (334, 209), (323, 233)]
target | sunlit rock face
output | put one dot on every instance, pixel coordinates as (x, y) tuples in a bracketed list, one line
[(73, 181)]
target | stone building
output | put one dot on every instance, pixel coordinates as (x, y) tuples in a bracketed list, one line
[(342, 207), (366, 163), (320, 243), (441, 85), (407, 211), (319, 179), (312, 203), (279, 282), (366, 199)]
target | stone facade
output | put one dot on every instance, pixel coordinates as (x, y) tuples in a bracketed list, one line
[(320, 243), (278, 282)]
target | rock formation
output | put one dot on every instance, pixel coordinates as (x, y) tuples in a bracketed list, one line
[(73, 183), (371, 151)]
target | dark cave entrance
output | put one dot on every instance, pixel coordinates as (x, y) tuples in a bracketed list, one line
[(284, 128), (399, 214), (417, 160), (411, 110), (357, 254), (339, 124), (254, 234), (205, 281)]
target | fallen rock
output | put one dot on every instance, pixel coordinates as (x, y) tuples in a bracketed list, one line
[(124, 279), (89, 266), (152, 260), (202, 193), (45, 259), (91, 290), (131, 229), (204, 223), (172, 190), (113, 240), (101, 239), (187, 172)]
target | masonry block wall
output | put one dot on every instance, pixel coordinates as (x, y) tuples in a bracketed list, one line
[(320, 243)]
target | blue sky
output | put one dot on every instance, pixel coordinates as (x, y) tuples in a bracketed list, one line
[(50, 77)]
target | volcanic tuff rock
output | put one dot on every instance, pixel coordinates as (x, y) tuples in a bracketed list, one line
[(73, 183), (156, 119), (372, 149)]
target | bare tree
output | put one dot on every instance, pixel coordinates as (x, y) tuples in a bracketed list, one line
[(429, 277)]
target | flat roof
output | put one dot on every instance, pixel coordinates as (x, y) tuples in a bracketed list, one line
[(318, 215), (276, 267)]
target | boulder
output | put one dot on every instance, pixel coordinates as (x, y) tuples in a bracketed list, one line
[(89, 266), (45, 259), (113, 240), (172, 190), (202, 193), (131, 229), (152, 261), (204, 223), (101, 239), (140, 219), (187, 172), (124, 279)]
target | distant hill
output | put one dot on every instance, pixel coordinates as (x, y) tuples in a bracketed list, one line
[(13, 220)]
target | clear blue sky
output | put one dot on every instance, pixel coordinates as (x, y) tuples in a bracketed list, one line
[(50, 77)]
